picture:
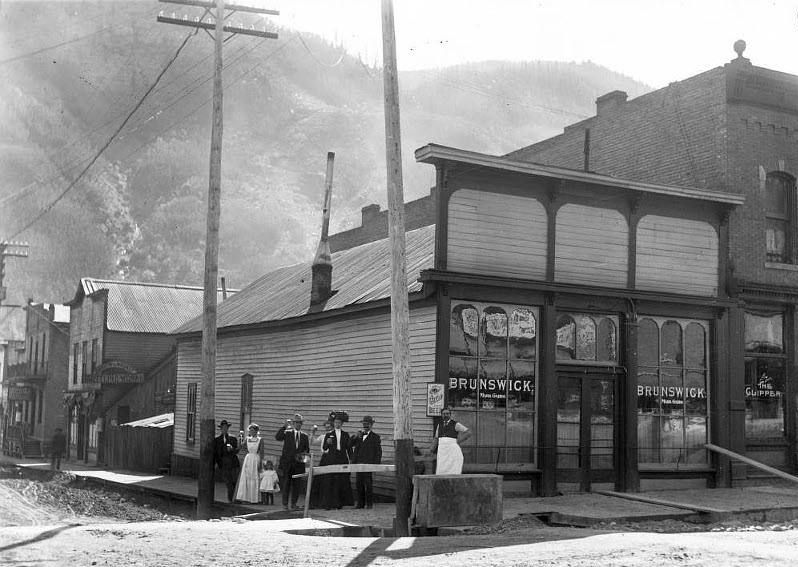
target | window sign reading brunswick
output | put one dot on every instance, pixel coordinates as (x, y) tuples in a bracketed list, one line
[(492, 379), (672, 396)]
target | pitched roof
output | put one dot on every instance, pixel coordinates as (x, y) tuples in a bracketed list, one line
[(360, 275), (136, 307)]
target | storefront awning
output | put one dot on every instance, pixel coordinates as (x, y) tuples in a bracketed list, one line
[(158, 421)]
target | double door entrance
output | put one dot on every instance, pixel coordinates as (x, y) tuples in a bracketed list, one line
[(587, 414)]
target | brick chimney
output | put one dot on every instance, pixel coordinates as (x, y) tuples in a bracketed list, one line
[(609, 101), (321, 270)]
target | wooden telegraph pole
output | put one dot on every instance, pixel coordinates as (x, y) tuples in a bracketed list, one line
[(400, 312), (205, 483)]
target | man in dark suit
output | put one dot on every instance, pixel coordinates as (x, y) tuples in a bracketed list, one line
[(225, 456), (296, 445), (366, 449)]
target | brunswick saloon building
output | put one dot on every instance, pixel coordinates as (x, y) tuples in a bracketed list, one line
[(732, 129), (579, 324)]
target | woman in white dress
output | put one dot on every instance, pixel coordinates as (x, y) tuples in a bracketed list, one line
[(450, 435), (248, 489)]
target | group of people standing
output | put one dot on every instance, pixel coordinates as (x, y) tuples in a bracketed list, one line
[(255, 480)]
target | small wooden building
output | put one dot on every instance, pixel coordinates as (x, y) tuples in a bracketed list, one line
[(121, 358), (579, 324)]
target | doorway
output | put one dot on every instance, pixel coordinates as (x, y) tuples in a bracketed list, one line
[(586, 433)]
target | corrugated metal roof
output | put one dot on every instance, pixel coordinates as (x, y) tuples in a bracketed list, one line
[(137, 307), (360, 275)]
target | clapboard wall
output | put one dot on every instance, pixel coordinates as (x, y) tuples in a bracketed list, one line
[(677, 256), (506, 235), (592, 246), (342, 364), (497, 235)]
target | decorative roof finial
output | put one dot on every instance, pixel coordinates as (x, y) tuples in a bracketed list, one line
[(739, 47)]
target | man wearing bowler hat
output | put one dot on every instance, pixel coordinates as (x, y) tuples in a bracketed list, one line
[(225, 456), (366, 448), (296, 445)]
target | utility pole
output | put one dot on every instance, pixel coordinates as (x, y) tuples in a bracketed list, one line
[(205, 482), (400, 312), (9, 248)]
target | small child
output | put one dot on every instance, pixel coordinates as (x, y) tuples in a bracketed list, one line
[(269, 484)]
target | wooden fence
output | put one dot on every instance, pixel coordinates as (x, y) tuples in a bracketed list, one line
[(145, 449)]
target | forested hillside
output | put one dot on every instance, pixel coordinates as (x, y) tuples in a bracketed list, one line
[(139, 212)]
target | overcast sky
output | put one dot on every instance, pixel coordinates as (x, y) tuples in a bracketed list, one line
[(655, 41)]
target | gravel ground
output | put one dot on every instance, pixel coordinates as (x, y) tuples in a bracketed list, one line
[(53, 497), (56, 520)]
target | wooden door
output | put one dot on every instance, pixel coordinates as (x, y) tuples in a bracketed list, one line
[(586, 428)]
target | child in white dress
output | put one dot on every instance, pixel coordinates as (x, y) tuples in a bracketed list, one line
[(269, 484)]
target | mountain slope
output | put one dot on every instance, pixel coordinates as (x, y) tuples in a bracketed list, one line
[(139, 213)]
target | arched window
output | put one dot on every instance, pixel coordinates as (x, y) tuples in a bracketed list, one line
[(566, 337), (584, 338), (780, 218)]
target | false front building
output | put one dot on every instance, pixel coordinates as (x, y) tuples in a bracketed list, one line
[(578, 324), (122, 362), (734, 129)]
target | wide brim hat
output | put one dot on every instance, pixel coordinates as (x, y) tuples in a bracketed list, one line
[(367, 419), (339, 414), (223, 423), (298, 417)]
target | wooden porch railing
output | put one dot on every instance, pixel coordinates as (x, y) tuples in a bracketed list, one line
[(752, 462)]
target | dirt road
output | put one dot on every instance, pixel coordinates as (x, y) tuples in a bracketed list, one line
[(52, 523), (227, 543)]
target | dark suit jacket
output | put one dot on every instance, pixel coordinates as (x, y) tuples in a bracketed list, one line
[(368, 450), (223, 457), (288, 457), (330, 446)]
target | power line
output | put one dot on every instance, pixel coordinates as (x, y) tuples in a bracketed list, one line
[(207, 100), (55, 201), (183, 93), (316, 59), (51, 47)]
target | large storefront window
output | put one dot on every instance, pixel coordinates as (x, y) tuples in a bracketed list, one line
[(492, 379), (765, 365), (672, 392)]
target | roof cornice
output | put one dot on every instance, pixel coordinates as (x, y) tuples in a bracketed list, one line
[(434, 153)]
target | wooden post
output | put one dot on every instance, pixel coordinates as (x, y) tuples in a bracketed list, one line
[(205, 483), (400, 312), (309, 484)]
